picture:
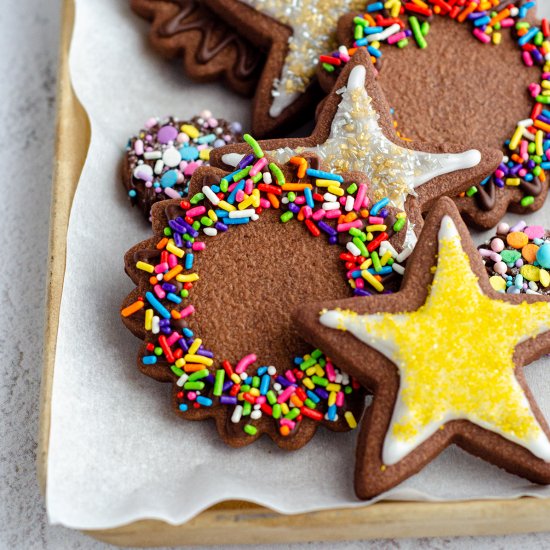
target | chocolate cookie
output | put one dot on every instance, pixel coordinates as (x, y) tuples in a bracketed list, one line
[(208, 47), (294, 34), (444, 359), (455, 72), (216, 284), (161, 159), (355, 132)]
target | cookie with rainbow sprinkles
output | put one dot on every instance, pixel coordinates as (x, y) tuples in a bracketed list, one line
[(464, 70), (442, 371), (216, 285)]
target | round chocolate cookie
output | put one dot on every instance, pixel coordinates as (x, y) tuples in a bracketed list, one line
[(161, 159), (517, 259), (464, 72)]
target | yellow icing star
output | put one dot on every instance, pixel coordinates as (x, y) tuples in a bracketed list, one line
[(455, 356), (313, 24)]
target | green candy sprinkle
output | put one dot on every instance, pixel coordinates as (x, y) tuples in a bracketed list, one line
[(218, 382), (287, 216), (255, 146), (277, 172), (471, 191), (196, 198), (399, 224), (528, 200), (176, 370), (250, 429)]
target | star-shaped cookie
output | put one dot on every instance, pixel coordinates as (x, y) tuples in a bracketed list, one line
[(444, 359), (295, 33), (354, 132)]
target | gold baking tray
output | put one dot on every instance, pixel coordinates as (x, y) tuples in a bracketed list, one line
[(240, 522)]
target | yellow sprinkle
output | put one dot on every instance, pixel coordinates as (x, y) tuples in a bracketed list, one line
[(377, 285), (538, 143), (190, 278), (204, 154), (338, 191), (327, 183), (385, 258), (149, 319), (284, 408), (191, 131), (171, 247), (145, 267), (497, 37), (311, 371), (226, 206), (180, 362), (516, 138), (194, 347), (235, 378), (378, 227), (333, 387), (513, 181), (189, 358), (254, 391), (366, 264), (308, 383), (212, 215), (350, 419), (331, 398), (400, 215)]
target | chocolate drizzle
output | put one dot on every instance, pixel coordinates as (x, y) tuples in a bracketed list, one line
[(216, 37)]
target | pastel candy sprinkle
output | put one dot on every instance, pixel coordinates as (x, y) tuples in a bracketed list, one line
[(166, 134)]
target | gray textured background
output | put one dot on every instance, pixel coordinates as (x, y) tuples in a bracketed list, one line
[(28, 65)]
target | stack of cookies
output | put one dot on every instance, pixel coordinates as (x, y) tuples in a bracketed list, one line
[(288, 277)]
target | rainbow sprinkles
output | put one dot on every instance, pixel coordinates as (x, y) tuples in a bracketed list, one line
[(312, 387), (527, 152)]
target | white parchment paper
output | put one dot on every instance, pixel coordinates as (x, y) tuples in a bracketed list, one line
[(117, 453)]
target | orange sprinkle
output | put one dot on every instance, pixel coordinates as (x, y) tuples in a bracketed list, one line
[(500, 16), (517, 239), (162, 243), (296, 186), (175, 314), (370, 19), (364, 213), (153, 280), (467, 11), (529, 252), (132, 308), (192, 367), (173, 272), (542, 176), (284, 430), (542, 125), (273, 200)]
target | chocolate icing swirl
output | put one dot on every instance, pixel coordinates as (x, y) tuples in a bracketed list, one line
[(216, 37)]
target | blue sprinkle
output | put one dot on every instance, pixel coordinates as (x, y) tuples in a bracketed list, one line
[(205, 401), (169, 179), (376, 207), (189, 153), (183, 407), (149, 360), (157, 305), (189, 259)]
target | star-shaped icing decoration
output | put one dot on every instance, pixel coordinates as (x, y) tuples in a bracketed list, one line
[(443, 358), (354, 132), (296, 33)]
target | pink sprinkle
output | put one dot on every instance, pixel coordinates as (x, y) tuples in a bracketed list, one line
[(191, 395), (481, 36), (159, 292), (290, 376), (245, 362), (173, 338), (189, 170), (232, 186), (507, 23), (197, 246), (248, 186), (333, 214), (186, 311), (307, 211), (260, 164), (260, 400), (523, 149), (138, 147), (342, 201), (239, 196), (264, 203), (340, 399), (534, 231), (500, 173), (347, 226), (172, 261), (331, 375), (162, 267), (360, 197), (285, 395), (523, 171), (197, 211), (360, 283), (300, 200), (397, 37), (527, 59), (172, 193), (375, 220), (320, 214), (534, 89)]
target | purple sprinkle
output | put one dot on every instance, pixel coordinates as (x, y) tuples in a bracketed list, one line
[(228, 400), (515, 169), (168, 287), (209, 379), (520, 226), (205, 353), (361, 292), (499, 182), (323, 226), (183, 344), (321, 392), (178, 241), (227, 385), (221, 226), (503, 168), (294, 208), (166, 134), (175, 225), (166, 330), (283, 381), (383, 213), (245, 161), (333, 239)]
